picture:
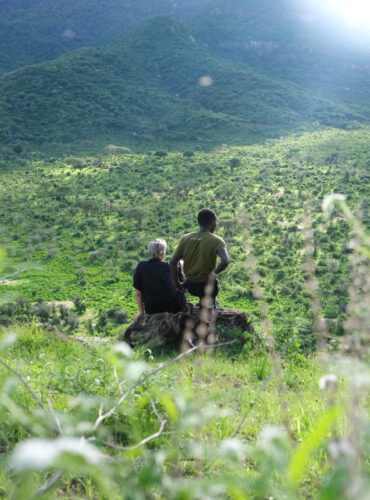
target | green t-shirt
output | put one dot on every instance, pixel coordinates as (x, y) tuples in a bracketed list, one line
[(199, 252)]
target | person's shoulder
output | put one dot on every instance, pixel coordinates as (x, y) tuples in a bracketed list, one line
[(218, 238), (164, 264), (186, 237), (218, 241)]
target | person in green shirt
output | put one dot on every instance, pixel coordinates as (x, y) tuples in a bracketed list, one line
[(199, 252)]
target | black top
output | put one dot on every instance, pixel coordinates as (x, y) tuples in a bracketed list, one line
[(153, 278)]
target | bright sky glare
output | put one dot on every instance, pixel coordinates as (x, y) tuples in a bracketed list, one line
[(356, 12)]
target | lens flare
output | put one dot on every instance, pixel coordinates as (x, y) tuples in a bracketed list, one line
[(356, 12), (205, 81)]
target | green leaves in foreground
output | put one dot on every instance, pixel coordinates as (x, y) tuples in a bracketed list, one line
[(311, 443), (136, 430)]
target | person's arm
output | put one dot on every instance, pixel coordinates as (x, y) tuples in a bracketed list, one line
[(174, 269), (138, 294), (177, 256), (139, 301), (224, 262)]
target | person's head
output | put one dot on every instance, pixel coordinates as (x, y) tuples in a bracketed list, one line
[(207, 219), (157, 249)]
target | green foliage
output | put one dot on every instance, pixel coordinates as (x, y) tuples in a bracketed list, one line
[(294, 335), (96, 420), (114, 426), (87, 228), (38, 30), (138, 91)]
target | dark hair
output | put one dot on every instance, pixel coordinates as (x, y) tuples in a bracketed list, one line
[(206, 217)]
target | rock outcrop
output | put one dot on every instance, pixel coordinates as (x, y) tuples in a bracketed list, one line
[(189, 328)]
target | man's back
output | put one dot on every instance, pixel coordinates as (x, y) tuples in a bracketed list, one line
[(199, 252)]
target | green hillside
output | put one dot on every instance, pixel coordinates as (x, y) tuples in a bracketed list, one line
[(303, 42), (85, 222), (39, 30), (147, 87)]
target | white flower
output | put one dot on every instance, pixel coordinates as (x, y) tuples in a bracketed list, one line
[(124, 349), (269, 434), (328, 203), (7, 340), (341, 448), (361, 380), (41, 454), (134, 370), (329, 381), (233, 448)]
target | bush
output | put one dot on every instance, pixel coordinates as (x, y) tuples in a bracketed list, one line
[(295, 335), (76, 163)]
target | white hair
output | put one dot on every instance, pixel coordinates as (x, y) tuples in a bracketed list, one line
[(156, 247)]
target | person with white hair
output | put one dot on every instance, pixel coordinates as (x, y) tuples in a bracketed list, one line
[(155, 289)]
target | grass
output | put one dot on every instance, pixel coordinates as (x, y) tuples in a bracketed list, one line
[(209, 402), (64, 372)]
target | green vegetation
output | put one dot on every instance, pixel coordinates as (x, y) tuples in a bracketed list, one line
[(293, 41), (253, 108), (39, 30), (81, 224), (214, 426), (145, 90)]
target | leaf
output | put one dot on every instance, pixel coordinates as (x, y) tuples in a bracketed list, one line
[(170, 406), (2, 257), (311, 442)]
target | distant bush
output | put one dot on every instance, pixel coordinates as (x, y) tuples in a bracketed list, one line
[(160, 154), (234, 163), (42, 311), (52, 253), (117, 315), (76, 162), (79, 305)]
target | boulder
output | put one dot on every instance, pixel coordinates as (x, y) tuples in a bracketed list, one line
[(193, 326)]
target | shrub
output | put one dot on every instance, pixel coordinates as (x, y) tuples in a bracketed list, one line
[(76, 163), (295, 335)]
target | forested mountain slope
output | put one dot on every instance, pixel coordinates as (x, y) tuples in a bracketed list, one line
[(152, 85), (37, 30), (304, 42)]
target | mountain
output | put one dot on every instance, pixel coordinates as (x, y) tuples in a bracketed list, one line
[(303, 42), (33, 31), (152, 84)]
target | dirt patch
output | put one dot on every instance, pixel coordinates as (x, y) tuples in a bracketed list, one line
[(9, 282), (67, 304)]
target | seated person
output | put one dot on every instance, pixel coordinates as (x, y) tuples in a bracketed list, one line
[(155, 289), (199, 252)]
